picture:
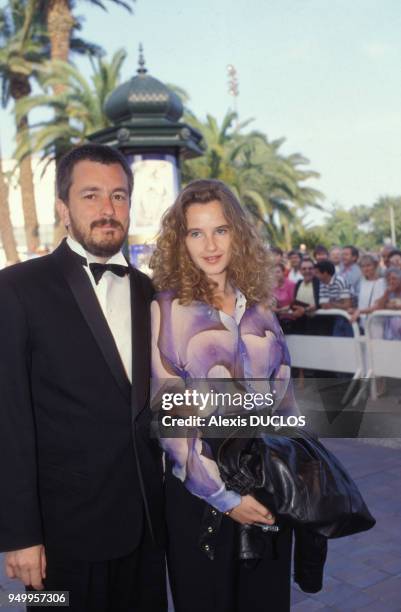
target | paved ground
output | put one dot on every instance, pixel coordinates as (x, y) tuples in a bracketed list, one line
[(8, 586), (363, 572)]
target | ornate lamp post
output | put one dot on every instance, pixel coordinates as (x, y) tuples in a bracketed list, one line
[(233, 85), (146, 127)]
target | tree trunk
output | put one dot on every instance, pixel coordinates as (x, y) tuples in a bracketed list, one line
[(20, 88), (287, 234), (60, 22), (28, 205), (6, 228), (28, 196)]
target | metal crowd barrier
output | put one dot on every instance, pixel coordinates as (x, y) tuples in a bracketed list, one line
[(365, 357), (332, 353), (383, 356)]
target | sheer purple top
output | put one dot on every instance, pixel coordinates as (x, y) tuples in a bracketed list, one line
[(199, 341)]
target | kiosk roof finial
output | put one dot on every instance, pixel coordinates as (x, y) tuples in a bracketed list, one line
[(141, 61)]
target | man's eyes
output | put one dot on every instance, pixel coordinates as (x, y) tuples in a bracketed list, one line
[(118, 197)]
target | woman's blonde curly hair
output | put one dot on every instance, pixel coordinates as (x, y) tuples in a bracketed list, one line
[(250, 268)]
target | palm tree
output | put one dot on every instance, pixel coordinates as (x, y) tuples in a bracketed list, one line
[(78, 106), (60, 22), (223, 146), (81, 101), (269, 185), (18, 60), (302, 196), (6, 228), (261, 169)]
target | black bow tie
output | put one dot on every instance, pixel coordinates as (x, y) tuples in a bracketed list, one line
[(98, 269)]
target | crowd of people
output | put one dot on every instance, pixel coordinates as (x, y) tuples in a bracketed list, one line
[(339, 278)]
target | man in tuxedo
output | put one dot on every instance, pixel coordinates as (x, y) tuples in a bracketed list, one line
[(81, 502)]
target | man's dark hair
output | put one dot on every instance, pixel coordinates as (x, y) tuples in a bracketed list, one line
[(325, 266), (295, 252), (320, 249), (88, 152), (307, 259), (394, 252), (354, 250)]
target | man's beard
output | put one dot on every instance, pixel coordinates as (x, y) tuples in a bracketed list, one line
[(102, 247)]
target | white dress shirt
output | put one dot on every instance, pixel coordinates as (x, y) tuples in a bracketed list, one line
[(114, 295), (231, 323)]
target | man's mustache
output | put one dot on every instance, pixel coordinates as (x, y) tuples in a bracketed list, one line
[(103, 222)]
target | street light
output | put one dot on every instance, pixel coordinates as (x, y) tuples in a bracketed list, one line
[(146, 126), (392, 224), (233, 88)]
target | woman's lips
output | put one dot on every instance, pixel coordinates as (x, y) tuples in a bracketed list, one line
[(213, 259)]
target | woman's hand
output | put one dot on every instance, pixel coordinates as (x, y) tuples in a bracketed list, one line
[(251, 511)]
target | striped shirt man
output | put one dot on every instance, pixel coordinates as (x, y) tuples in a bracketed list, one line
[(334, 291)]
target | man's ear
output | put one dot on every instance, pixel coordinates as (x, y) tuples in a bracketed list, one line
[(63, 212)]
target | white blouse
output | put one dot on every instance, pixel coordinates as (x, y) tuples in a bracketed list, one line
[(369, 292)]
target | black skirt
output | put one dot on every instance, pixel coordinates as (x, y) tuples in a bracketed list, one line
[(224, 584)]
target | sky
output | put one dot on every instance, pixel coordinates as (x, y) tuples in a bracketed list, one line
[(323, 74)]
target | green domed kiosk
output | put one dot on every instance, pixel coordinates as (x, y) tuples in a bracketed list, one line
[(146, 126)]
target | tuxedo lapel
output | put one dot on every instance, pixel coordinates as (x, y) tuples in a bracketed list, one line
[(140, 325), (86, 299)]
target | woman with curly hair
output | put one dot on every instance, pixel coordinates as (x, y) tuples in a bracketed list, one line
[(211, 319)]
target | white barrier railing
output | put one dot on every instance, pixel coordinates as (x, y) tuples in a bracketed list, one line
[(383, 356), (332, 353), (364, 357)]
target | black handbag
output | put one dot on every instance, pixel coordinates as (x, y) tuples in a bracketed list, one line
[(298, 479)]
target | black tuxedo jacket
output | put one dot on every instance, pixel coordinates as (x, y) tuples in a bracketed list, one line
[(78, 470)]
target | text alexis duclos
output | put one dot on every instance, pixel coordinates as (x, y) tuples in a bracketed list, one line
[(252, 420)]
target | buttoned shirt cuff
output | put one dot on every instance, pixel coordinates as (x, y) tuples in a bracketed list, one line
[(224, 500)]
